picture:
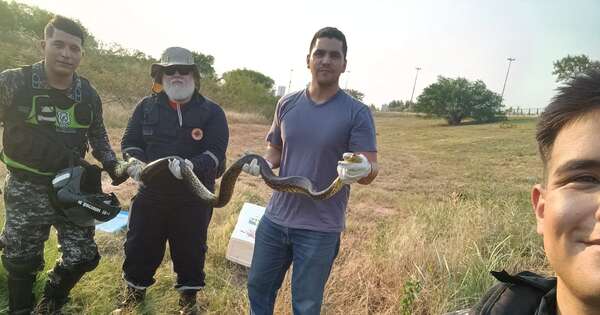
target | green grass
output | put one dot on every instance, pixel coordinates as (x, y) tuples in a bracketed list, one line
[(450, 204)]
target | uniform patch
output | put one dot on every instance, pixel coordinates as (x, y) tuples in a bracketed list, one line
[(64, 119), (197, 134)]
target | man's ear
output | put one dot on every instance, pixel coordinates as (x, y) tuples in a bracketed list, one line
[(538, 202), (308, 61), (43, 45)]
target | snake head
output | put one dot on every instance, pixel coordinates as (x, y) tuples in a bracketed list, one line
[(126, 156), (118, 172), (351, 157)]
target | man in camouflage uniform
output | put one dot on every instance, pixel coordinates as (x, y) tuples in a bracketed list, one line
[(49, 114)]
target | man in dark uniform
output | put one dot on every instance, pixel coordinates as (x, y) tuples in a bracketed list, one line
[(49, 114), (176, 120)]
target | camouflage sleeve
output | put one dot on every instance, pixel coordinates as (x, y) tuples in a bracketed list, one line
[(97, 136), (10, 82)]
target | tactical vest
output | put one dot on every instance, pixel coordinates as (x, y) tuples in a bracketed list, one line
[(44, 130), (525, 293)]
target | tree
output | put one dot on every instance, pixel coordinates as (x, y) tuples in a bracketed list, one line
[(569, 66), (32, 20), (252, 75), (486, 105), (397, 106), (205, 65), (457, 99), (248, 91), (7, 18), (356, 94)]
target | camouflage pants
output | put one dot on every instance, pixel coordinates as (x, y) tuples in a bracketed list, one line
[(29, 216)]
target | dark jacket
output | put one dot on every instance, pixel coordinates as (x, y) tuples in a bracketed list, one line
[(197, 131), (525, 293)]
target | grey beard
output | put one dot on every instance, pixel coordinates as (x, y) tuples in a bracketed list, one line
[(177, 93)]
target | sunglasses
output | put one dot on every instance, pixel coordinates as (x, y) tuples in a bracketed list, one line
[(181, 70)]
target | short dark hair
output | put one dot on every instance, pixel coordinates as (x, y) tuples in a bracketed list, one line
[(578, 97), (330, 32), (64, 24)]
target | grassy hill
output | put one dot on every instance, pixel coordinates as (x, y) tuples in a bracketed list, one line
[(122, 76)]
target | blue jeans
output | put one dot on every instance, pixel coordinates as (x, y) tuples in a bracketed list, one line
[(277, 247)]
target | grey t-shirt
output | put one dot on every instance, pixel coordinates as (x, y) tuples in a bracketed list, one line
[(313, 138)]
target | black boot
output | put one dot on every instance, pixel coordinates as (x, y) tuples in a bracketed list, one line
[(187, 303), (20, 296), (133, 297), (56, 292)]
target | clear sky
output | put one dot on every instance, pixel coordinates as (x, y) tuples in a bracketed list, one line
[(387, 39)]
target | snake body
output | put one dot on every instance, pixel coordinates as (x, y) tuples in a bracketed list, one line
[(152, 173)]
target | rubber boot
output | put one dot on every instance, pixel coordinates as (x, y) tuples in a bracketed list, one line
[(56, 292), (20, 294)]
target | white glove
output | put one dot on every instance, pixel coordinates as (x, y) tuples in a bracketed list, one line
[(135, 169), (253, 168), (352, 171), (175, 168)]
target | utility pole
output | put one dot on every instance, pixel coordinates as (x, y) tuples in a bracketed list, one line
[(414, 85), (510, 60)]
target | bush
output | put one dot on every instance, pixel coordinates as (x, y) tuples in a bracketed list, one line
[(457, 99)]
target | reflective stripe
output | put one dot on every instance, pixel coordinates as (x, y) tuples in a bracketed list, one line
[(179, 115), (60, 178), (183, 288), (129, 284), (133, 149), (12, 163), (214, 157)]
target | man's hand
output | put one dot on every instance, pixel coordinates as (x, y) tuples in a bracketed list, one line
[(135, 169), (353, 168), (111, 168), (175, 167), (253, 168)]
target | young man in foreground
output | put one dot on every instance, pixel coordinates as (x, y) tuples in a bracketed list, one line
[(567, 209)]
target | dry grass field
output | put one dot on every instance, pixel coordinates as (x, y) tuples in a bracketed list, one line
[(450, 204)]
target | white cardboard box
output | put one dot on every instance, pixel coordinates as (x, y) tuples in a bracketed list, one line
[(241, 243)]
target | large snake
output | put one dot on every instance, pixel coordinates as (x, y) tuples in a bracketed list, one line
[(296, 184)]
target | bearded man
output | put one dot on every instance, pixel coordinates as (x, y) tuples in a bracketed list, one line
[(175, 120)]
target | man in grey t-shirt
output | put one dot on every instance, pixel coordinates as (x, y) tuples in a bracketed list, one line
[(311, 131)]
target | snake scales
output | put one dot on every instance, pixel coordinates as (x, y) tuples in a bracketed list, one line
[(153, 171)]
